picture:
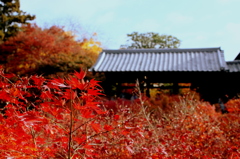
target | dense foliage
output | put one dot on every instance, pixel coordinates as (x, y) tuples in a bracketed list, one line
[(67, 118), (10, 18), (47, 51), (151, 40)]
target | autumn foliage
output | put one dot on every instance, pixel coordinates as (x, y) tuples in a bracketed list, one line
[(48, 118), (69, 118), (47, 51)]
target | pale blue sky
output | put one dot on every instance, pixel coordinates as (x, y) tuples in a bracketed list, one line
[(197, 23)]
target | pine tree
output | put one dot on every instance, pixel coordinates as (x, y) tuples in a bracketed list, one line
[(151, 40), (10, 18)]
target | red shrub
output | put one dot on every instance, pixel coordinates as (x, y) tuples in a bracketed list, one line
[(64, 118)]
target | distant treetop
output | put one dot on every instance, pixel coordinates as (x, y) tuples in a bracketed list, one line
[(151, 40)]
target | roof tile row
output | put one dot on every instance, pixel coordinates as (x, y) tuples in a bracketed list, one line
[(161, 60)]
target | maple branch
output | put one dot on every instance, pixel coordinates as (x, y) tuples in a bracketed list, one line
[(7, 79), (54, 122), (103, 132), (84, 142), (19, 152), (144, 110), (71, 125), (82, 125), (33, 136)]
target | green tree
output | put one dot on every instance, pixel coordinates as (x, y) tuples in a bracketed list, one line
[(151, 40), (10, 18)]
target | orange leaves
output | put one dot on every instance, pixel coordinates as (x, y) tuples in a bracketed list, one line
[(47, 51), (233, 105)]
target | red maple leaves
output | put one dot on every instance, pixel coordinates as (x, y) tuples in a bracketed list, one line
[(66, 118), (43, 118)]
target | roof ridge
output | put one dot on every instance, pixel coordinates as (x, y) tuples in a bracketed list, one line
[(160, 50)]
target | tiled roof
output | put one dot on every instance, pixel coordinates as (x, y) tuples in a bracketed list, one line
[(234, 66), (161, 60)]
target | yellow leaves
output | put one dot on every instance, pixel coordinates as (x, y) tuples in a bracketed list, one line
[(91, 45), (42, 54), (20, 66), (96, 49), (27, 66)]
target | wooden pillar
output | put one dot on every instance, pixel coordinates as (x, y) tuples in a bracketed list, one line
[(175, 88), (147, 88), (108, 85), (119, 89)]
